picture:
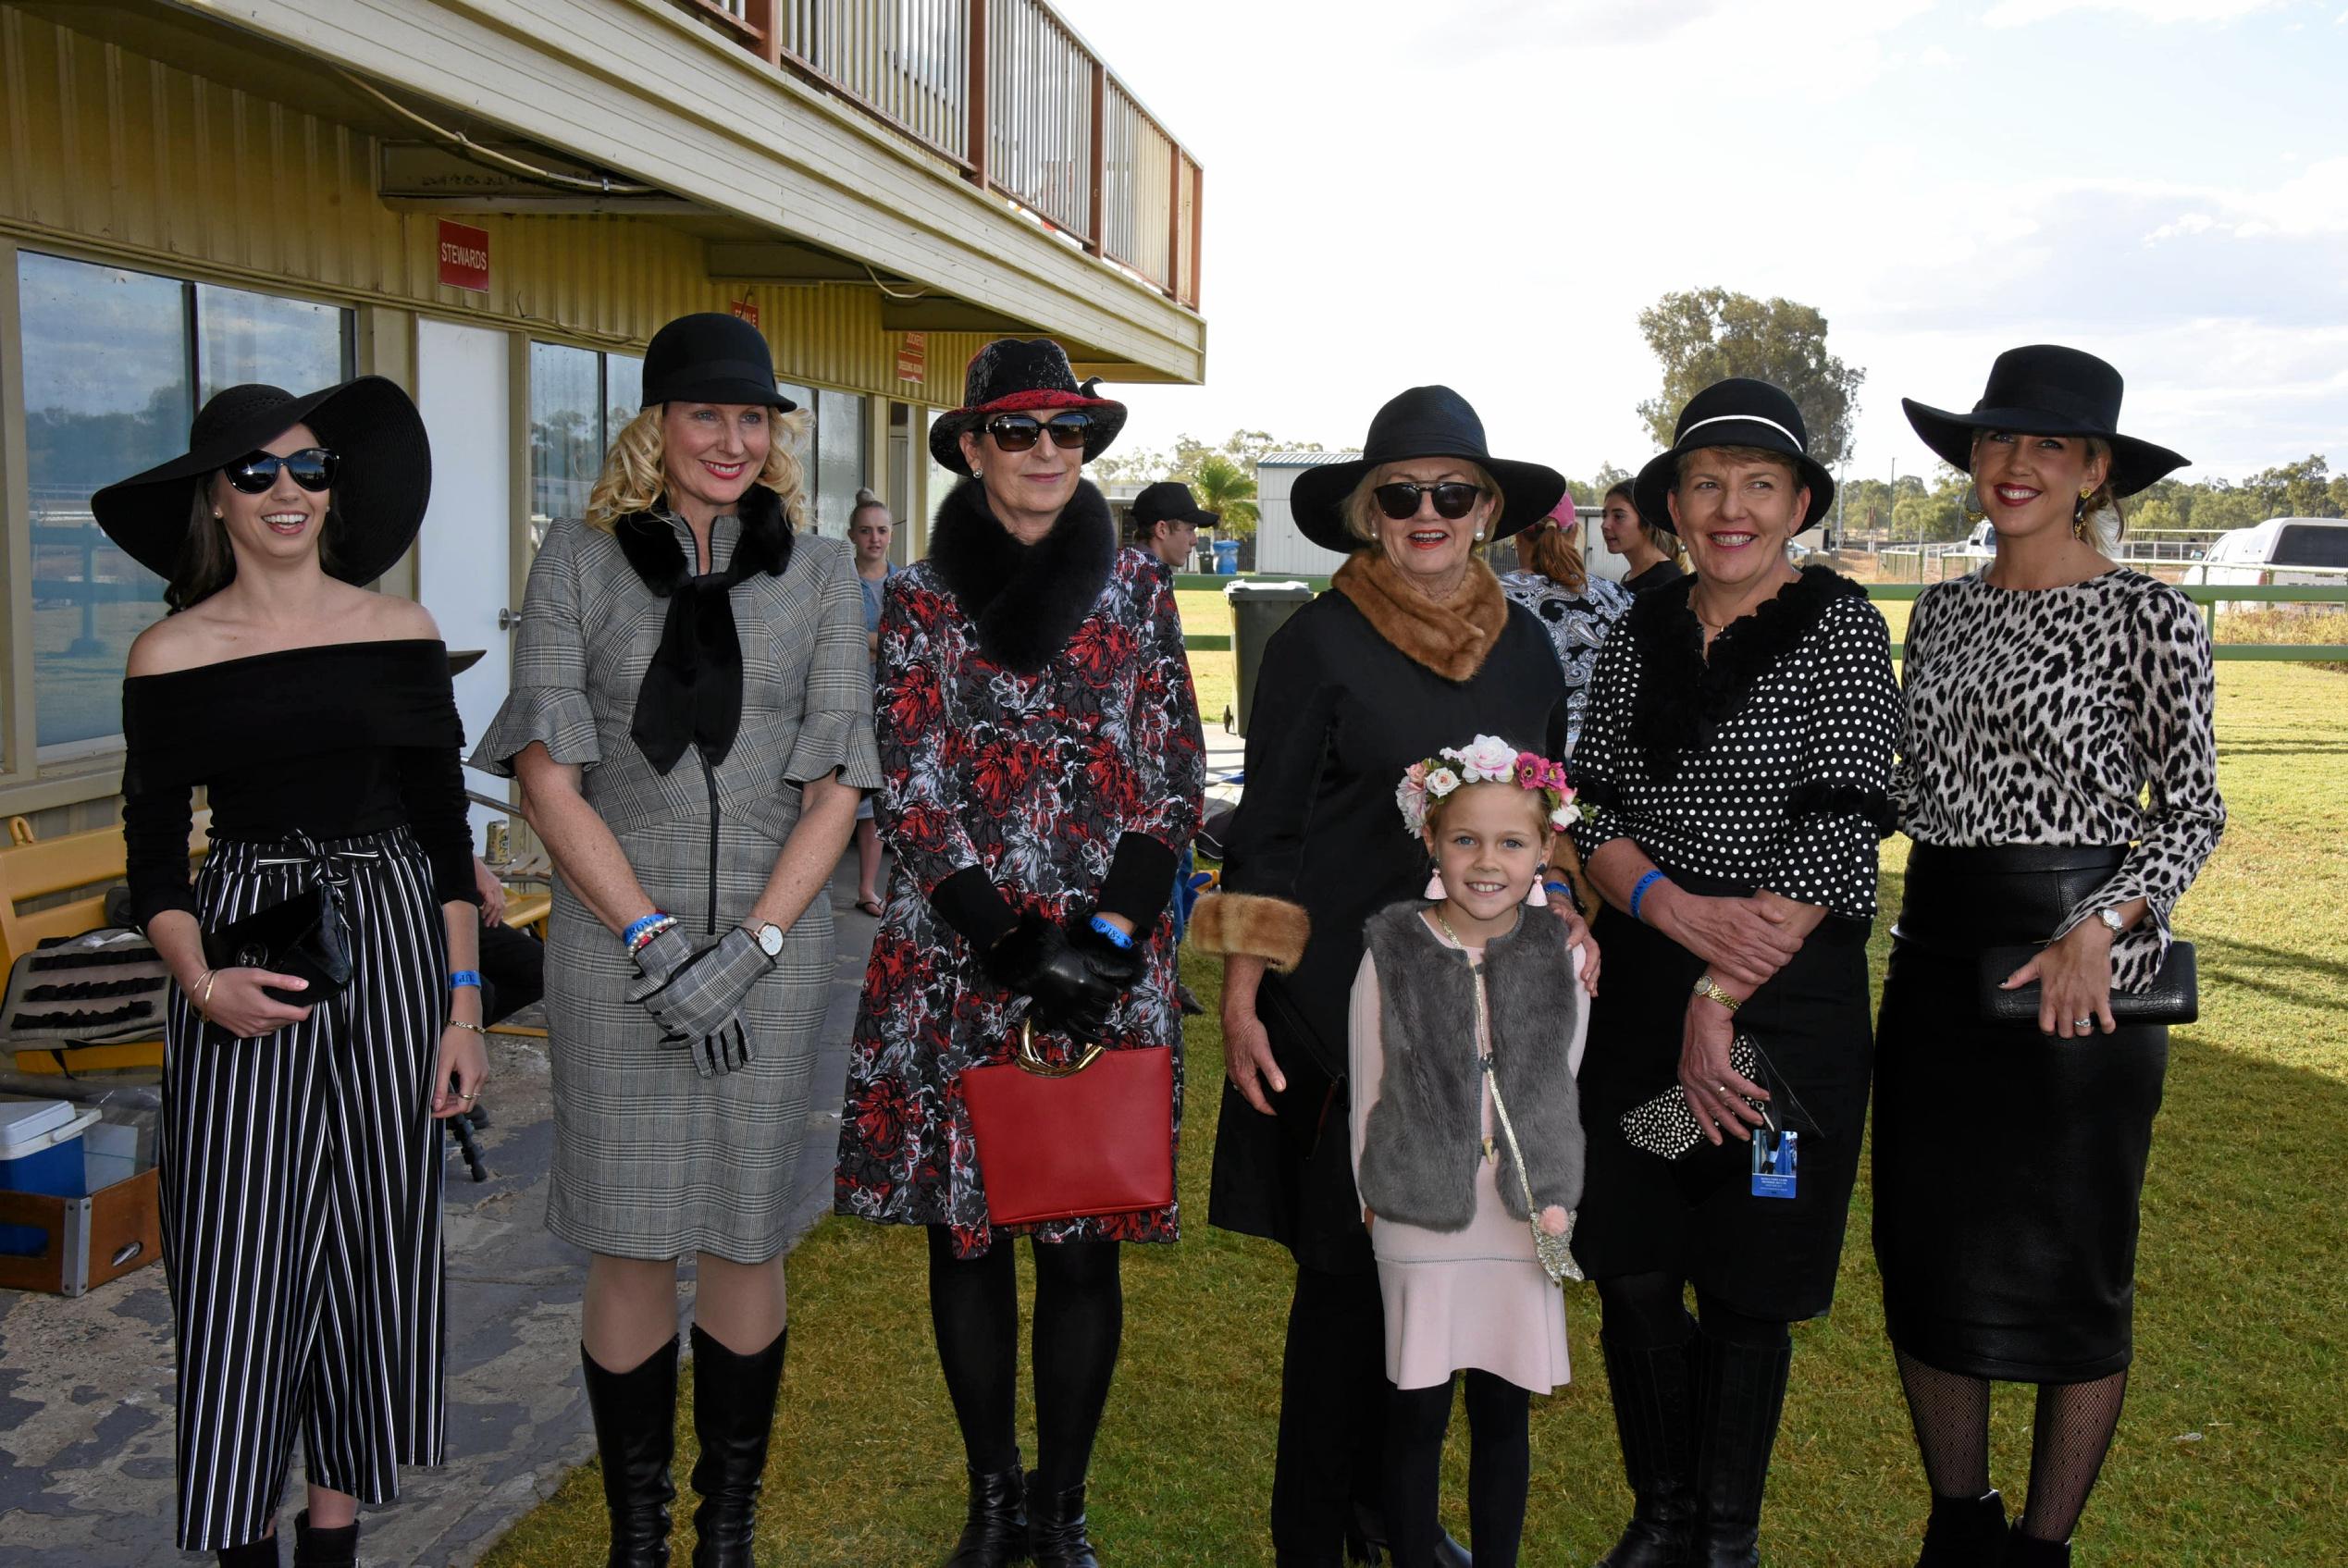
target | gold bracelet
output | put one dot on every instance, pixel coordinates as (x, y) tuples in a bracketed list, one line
[(203, 1001), (460, 1023), (1710, 989)]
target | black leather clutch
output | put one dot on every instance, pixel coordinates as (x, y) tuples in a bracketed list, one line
[(304, 936), (2174, 995)]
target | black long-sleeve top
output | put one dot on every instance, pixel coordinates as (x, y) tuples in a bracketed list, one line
[(334, 741)]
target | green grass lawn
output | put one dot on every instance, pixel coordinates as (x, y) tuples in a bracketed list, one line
[(2234, 1450)]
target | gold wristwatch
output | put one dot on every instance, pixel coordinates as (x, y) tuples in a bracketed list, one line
[(1706, 986)]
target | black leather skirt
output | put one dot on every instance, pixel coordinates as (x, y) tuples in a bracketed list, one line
[(2008, 1163)]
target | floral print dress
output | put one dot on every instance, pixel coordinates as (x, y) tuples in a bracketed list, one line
[(1033, 778)]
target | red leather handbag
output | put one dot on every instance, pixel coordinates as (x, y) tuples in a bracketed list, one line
[(1073, 1139)]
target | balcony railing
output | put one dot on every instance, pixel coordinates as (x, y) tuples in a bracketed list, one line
[(1010, 95)]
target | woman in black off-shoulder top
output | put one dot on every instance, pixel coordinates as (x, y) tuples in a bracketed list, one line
[(299, 1146)]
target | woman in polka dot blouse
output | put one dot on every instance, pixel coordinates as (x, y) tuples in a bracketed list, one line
[(1737, 755)]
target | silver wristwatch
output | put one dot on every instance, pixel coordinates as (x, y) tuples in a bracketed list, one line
[(770, 939), (2112, 922)]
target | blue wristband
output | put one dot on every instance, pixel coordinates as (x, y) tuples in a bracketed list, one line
[(464, 977), (1117, 939), (1638, 893), (636, 927)]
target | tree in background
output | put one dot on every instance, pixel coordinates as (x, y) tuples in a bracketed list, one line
[(1223, 477), (1228, 490), (1701, 336), (1592, 491)]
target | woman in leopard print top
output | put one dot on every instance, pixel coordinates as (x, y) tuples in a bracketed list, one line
[(2059, 779)]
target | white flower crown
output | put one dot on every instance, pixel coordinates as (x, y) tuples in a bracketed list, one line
[(1485, 760)]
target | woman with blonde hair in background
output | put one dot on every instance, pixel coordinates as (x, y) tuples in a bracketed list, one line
[(691, 719)]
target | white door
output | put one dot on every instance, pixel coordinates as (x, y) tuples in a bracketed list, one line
[(463, 560)]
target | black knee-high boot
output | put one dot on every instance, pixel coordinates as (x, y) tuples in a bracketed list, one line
[(314, 1547), (635, 1437), (733, 1416), (262, 1553), (1653, 1391), (1740, 1393), (1965, 1532)]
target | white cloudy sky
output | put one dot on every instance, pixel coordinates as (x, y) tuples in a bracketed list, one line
[(1486, 192)]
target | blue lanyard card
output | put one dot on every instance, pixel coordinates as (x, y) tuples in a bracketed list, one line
[(1773, 1160)]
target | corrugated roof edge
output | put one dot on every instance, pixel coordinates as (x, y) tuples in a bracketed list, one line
[(1303, 457)]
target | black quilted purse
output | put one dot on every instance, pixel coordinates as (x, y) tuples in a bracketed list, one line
[(304, 936)]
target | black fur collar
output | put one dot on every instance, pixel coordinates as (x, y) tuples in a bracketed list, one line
[(648, 540), (1684, 699), (1026, 601)]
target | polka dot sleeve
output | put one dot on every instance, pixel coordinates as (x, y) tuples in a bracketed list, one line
[(1840, 807)]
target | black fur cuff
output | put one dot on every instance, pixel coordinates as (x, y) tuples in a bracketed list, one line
[(972, 903), (1141, 878)]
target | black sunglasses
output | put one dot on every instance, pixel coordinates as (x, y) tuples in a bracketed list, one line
[(256, 474), (1454, 499), (1017, 432)]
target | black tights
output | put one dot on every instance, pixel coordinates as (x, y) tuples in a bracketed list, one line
[(1079, 1316), (1650, 1312), (1499, 1468), (2070, 1436)]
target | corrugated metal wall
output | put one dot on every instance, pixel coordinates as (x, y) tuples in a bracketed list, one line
[(160, 167)]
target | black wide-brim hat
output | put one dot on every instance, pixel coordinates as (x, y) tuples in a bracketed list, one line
[(1739, 411), (382, 480), (2046, 390), (1422, 421), (710, 357), (1021, 376)]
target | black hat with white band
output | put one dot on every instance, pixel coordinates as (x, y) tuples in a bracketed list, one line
[(1739, 411)]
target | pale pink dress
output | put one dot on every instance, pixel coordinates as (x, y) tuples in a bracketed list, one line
[(1475, 1298)]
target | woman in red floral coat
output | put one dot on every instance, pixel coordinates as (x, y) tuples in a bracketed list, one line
[(1042, 773)]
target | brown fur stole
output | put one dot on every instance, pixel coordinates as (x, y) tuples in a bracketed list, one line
[(1451, 639)]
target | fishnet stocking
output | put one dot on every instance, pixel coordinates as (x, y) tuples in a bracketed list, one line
[(1952, 1416), (2067, 1443)]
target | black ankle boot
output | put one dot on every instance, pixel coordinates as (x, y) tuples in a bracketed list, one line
[(2028, 1552), (1055, 1527), (635, 1437), (1740, 1392), (1366, 1543), (1965, 1532), (733, 1416), (262, 1553), (324, 1548), (1654, 1417), (994, 1531)]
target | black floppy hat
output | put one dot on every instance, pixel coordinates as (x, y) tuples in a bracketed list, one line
[(382, 479), (1021, 376), (2046, 390), (1169, 500), (1422, 421), (710, 357), (1739, 411)]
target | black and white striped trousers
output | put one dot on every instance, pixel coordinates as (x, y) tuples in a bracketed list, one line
[(300, 1193)]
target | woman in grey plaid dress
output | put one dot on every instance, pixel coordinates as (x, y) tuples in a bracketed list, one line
[(691, 720)]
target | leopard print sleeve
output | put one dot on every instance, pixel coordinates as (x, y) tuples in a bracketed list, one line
[(2172, 736)]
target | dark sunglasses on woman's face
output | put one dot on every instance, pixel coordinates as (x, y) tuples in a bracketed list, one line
[(1016, 432), (256, 475), (1454, 499)]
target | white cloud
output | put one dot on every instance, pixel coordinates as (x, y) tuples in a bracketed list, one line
[(2022, 13)]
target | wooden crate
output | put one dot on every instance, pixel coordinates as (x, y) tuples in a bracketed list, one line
[(117, 1228)]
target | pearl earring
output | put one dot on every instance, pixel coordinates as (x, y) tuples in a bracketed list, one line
[(1479, 536)]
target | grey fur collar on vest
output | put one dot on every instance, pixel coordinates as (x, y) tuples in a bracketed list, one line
[(1425, 1133)]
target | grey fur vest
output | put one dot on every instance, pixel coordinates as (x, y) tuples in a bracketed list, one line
[(1424, 1134)]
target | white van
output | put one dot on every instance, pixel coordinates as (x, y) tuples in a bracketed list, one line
[(2267, 553)]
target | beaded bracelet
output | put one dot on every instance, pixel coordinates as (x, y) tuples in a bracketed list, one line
[(1117, 939), (461, 978), (642, 931), (1639, 893)]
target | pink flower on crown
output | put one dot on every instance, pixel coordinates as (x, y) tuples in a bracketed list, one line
[(1440, 782), (1532, 772), (1489, 757)]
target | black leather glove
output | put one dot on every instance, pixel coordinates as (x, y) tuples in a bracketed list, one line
[(1063, 991), (1121, 967)]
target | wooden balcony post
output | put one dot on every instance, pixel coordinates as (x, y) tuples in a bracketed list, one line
[(981, 133), (1096, 162), (764, 16)]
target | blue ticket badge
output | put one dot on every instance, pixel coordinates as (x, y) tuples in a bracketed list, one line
[(1774, 1154)]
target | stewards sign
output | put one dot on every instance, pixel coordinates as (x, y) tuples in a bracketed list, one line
[(914, 357), (464, 256)]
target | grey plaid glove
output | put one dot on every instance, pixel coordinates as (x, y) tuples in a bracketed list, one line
[(665, 955), (696, 1002)]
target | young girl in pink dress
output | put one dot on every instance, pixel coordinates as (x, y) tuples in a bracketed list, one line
[(1467, 1029)]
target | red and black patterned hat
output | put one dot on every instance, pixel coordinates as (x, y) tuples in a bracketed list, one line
[(1012, 376)]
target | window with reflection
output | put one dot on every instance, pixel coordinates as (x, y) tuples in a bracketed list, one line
[(840, 468), (579, 399), (114, 364)]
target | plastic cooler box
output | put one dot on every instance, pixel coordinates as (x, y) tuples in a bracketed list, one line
[(40, 1152)]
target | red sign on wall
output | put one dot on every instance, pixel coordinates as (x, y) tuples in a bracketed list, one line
[(748, 309), (464, 256), (914, 357)]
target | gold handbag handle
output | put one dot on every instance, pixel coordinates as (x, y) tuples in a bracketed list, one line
[(1030, 1062)]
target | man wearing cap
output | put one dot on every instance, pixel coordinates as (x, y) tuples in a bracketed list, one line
[(1167, 521)]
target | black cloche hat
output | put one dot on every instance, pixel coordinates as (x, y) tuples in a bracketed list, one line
[(1739, 411), (382, 479), (2046, 390), (1169, 500), (710, 357), (1015, 375), (1422, 421)]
